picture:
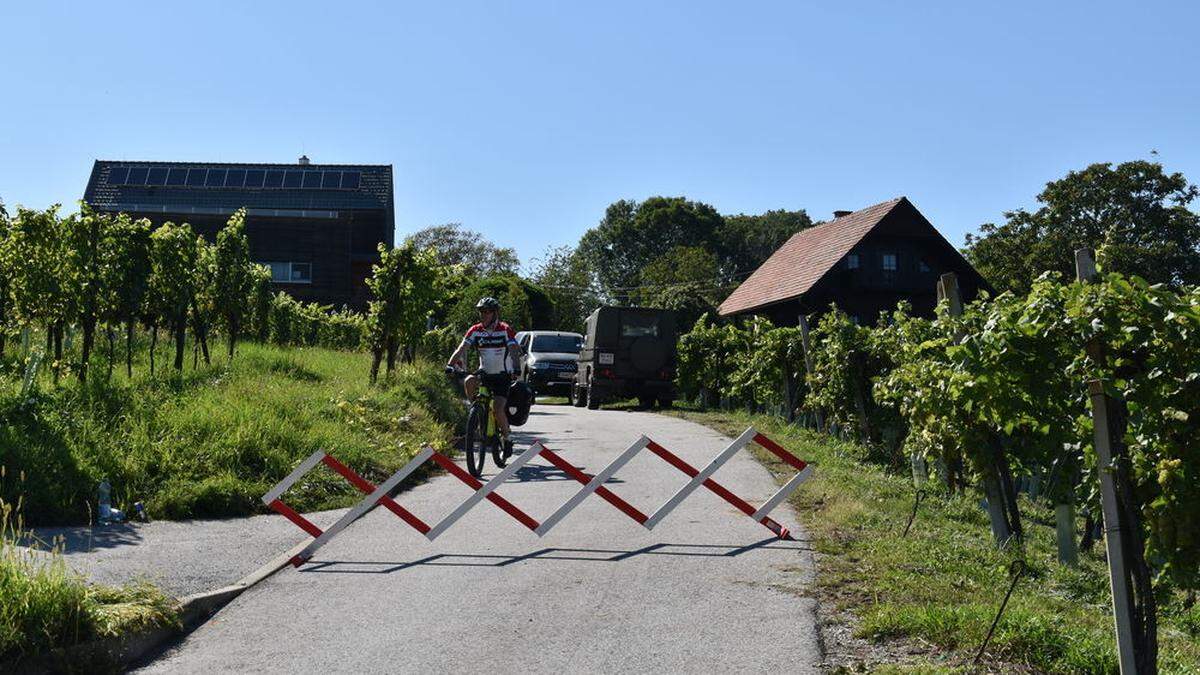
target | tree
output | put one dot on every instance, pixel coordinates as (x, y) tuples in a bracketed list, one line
[(744, 242), (39, 293), (260, 301), (685, 279), (126, 250), (5, 274), (84, 273), (172, 278), (1134, 214), (523, 304), (633, 234), (563, 274), (455, 245), (404, 286), (233, 277), (204, 299)]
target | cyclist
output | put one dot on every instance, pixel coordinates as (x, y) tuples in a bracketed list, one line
[(497, 344)]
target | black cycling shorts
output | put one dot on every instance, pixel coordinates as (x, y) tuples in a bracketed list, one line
[(497, 383)]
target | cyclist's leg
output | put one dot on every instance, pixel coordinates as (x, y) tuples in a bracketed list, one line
[(498, 408), (471, 387)]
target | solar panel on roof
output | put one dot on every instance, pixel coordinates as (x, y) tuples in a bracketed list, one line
[(137, 175), (118, 175), (196, 177), (273, 179), (176, 176), (331, 180), (235, 178), (216, 178), (350, 180), (157, 176), (312, 179), (292, 179), (254, 178)]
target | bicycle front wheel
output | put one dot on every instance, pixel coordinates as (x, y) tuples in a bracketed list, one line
[(500, 453), (475, 440)]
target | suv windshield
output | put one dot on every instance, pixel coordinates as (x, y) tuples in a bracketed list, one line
[(556, 343), (638, 324)]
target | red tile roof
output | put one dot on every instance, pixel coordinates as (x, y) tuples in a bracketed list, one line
[(804, 259)]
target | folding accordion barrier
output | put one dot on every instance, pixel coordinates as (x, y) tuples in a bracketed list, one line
[(378, 494)]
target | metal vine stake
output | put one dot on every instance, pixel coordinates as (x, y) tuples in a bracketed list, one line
[(913, 515), (1016, 568)]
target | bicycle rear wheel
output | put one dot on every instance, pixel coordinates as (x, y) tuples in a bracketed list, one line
[(475, 441)]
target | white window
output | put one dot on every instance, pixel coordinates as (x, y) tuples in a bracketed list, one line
[(889, 262), (291, 272), (852, 261), (923, 266)]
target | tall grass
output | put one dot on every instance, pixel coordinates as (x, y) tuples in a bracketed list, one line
[(208, 442), (44, 605), (939, 587)]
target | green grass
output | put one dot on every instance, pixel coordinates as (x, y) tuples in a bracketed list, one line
[(940, 587), (44, 605), (210, 442)]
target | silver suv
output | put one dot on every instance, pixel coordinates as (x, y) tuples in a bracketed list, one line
[(549, 359)]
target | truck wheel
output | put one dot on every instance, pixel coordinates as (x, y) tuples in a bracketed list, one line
[(593, 399), (577, 396)]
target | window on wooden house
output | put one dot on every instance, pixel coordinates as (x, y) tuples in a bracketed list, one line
[(290, 272), (852, 261)]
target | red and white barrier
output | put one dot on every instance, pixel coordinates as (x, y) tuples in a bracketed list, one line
[(591, 485)]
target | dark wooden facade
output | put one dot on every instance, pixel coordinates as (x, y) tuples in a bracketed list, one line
[(328, 232), (847, 262)]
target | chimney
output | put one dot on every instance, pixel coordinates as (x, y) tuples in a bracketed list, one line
[(303, 160), (839, 214)]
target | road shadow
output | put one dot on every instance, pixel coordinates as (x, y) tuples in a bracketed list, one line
[(541, 472), (83, 538), (593, 555)]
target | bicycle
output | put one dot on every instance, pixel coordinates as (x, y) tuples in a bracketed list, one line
[(482, 433)]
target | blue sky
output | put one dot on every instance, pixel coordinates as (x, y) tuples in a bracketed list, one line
[(524, 120)]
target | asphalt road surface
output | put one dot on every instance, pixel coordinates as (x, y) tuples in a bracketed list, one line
[(708, 590)]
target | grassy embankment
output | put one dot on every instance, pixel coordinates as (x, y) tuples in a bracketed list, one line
[(44, 605), (937, 590), (209, 443)]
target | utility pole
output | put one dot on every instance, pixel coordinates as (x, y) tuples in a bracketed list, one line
[(1114, 534)]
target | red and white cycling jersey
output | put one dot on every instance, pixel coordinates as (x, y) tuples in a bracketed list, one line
[(492, 343)]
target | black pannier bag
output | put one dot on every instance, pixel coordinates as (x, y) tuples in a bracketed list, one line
[(520, 400)]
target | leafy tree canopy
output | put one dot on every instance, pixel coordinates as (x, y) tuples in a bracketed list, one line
[(523, 304), (456, 245), (1134, 214), (746, 241), (634, 234), (684, 279), (565, 277)]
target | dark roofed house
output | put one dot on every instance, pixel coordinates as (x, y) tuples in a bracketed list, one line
[(316, 225), (865, 262)]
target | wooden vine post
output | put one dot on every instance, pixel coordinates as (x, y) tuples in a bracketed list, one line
[(806, 343), (1135, 656)]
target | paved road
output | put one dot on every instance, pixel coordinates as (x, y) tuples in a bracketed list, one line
[(178, 556), (708, 590)]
